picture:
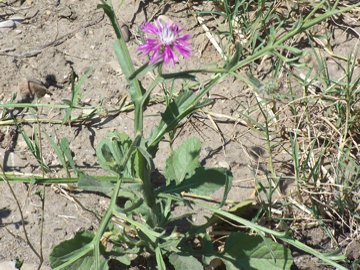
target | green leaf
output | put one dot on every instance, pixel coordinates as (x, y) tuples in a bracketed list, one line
[(141, 71), (124, 259), (243, 251), (142, 170), (183, 161), (34, 147), (261, 253), (111, 152), (185, 75), (159, 259), (227, 186), (65, 148), (89, 183), (76, 93), (184, 104), (88, 263), (236, 57), (203, 182), (76, 254), (127, 68), (122, 54), (183, 262), (207, 181), (144, 229), (58, 151)]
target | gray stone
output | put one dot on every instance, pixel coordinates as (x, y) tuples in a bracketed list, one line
[(7, 24), (9, 265)]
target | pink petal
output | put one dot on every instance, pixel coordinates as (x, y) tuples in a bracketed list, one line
[(169, 56), (183, 50), (156, 57), (150, 45), (184, 38), (150, 28)]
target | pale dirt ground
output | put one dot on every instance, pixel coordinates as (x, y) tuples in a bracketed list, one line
[(78, 36)]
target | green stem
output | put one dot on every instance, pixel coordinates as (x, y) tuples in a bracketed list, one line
[(138, 98), (112, 207), (139, 120), (37, 105), (37, 179), (104, 223)]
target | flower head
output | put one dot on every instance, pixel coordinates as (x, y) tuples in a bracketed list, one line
[(165, 39)]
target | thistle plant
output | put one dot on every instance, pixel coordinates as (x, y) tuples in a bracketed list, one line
[(140, 218)]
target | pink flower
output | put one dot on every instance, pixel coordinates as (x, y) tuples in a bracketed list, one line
[(165, 41)]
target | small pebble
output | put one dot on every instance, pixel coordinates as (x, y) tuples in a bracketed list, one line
[(224, 164), (126, 32), (65, 13), (7, 24)]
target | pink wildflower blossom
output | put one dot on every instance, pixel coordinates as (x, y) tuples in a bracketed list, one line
[(166, 38)]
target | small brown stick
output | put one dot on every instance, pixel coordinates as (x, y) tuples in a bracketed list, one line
[(76, 201), (216, 126)]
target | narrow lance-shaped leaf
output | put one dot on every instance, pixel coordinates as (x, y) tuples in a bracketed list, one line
[(159, 259), (182, 106), (59, 152), (65, 148), (122, 54)]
